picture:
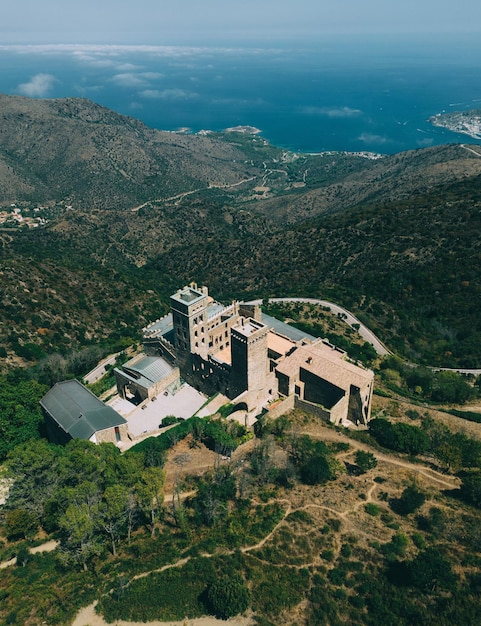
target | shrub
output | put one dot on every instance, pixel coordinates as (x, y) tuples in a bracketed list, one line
[(20, 524), (471, 489), (429, 571), (346, 550), (315, 470), (365, 460), (411, 499), (228, 596), (168, 420), (371, 509), (418, 540), (401, 437), (396, 547)]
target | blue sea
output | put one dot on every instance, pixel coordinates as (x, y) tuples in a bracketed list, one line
[(342, 93)]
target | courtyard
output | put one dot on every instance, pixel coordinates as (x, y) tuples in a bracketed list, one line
[(147, 416)]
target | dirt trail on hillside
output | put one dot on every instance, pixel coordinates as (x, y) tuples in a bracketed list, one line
[(448, 482), (184, 460), (88, 617)]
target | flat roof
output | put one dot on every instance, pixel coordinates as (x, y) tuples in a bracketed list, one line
[(248, 327), (225, 355), (160, 327), (279, 344), (147, 417), (187, 295), (214, 309)]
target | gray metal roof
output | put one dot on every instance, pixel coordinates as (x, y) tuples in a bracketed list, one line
[(148, 370), (77, 411), (285, 329), (214, 309), (160, 327)]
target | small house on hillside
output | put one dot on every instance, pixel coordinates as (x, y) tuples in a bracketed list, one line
[(71, 411)]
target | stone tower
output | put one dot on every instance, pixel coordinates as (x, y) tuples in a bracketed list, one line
[(189, 316), (250, 365)]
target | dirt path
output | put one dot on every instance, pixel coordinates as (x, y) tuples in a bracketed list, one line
[(180, 196), (48, 546), (274, 530), (89, 617), (447, 482)]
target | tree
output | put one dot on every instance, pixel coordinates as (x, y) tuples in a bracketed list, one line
[(228, 596), (262, 460), (420, 380), (315, 470), (34, 469), (150, 493), (450, 387), (450, 455), (430, 571), (23, 556), (411, 439), (401, 437), (20, 414), (213, 493), (113, 513), (471, 489), (411, 499), (131, 512), (365, 460), (20, 524), (80, 543), (383, 432)]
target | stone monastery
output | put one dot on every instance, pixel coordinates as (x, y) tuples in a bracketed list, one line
[(256, 361)]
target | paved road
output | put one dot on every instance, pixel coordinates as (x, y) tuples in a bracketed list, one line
[(346, 315), (100, 370), (364, 331)]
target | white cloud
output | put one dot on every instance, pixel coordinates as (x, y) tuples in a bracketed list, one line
[(130, 79), (371, 138), (333, 112), (38, 86), (169, 94), (425, 143), (92, 52)]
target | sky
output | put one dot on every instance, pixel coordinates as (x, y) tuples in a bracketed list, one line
[(184, 21)]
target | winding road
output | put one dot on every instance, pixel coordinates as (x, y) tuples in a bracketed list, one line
[(363, 330)]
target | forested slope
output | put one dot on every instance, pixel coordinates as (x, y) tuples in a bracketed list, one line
[(395, 238)]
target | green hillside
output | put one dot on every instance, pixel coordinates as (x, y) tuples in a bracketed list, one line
[(395, 239)]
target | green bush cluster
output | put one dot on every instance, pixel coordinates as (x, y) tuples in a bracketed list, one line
[(399, 436), (313, 460), (423, 382)]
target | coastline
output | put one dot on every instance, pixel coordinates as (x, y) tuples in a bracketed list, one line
[(464, 122)]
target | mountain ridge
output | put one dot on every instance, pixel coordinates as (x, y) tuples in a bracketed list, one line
[(394, 239)]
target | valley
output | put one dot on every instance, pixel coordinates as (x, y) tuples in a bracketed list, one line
[(394, 239)]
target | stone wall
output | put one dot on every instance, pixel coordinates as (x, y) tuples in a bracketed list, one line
[(281, 407), (314, 409), (108, 435)]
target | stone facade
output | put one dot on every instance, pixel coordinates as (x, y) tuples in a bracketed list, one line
[(111, 435), (232, 350)]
